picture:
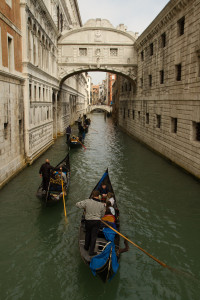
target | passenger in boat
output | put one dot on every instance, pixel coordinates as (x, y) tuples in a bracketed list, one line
[(103, 191), (94, 211), (64, 177), (110, 197), (112, 210), (68, 132), (45, 171), (109, 217)]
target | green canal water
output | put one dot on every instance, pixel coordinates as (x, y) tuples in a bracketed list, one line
[(159, 210)]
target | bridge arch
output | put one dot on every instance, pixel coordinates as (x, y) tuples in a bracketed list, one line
[(97, 46), (105, 108)]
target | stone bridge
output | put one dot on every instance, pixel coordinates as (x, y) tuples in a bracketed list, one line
[(97, 46), (107, 108)]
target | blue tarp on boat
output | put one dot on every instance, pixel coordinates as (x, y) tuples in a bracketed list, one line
[(99, 261)]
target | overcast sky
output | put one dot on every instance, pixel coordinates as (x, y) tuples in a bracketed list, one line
[(135, 14)]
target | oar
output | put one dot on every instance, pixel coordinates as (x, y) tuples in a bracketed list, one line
[(93, 129), (158, 261), (63, 196), (82, 145)]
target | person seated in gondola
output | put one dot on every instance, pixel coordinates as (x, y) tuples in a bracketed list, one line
[(109, 205), (64, 177), (108, 216), (110, 197), (103, 191)]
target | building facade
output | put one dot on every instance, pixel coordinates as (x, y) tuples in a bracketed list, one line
[(35, 106), (49, 107), (12, 157), (163, 108)]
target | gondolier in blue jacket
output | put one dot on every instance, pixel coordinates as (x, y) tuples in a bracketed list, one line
[(94, 211)]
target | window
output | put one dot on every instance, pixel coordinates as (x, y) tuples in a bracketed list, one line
[(150, 80), (138, 115), (198, 65), (151, 49), (133, 112), (142, 55), (158, 121), (30, 91), (20, 126), (128, 113), (83, 51), (10, 54), (113, 52), (141, 82), (147, 118), (196, 131), (181, 26), (124, 113), (5, 131), (163, 40), (161, 76), (178, 72), (174, 125), (35, 92), (129, 86)]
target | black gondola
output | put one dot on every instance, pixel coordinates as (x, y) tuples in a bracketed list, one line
[(75, 142), (105, 272), (54, 193)]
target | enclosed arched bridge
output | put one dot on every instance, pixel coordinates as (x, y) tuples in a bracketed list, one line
[(97, 46)]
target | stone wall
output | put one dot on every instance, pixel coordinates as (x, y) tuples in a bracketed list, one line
[(11, 128), (163, 109)]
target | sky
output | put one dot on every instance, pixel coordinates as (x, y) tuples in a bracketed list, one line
[(135, 14)]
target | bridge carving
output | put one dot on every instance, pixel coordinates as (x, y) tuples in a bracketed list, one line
[(97, 46)]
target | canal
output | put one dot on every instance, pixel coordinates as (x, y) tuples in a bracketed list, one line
[(159, 210)]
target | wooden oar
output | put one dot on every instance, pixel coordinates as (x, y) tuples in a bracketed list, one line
[(82, 145), (94, 130), (63, 196), (154, 258)]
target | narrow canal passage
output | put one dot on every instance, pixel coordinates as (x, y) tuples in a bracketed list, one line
[(160, 211)]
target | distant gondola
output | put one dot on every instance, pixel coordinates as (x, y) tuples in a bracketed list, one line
[(54, 193), (104, 270), (74, 141)]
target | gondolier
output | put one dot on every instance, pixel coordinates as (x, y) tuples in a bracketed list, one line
[(94, 211), (54, 191), (68, 132), (44, 172)]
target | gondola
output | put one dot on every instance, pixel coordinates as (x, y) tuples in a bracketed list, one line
[(75, 142), (54, 193), (108, 268)]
